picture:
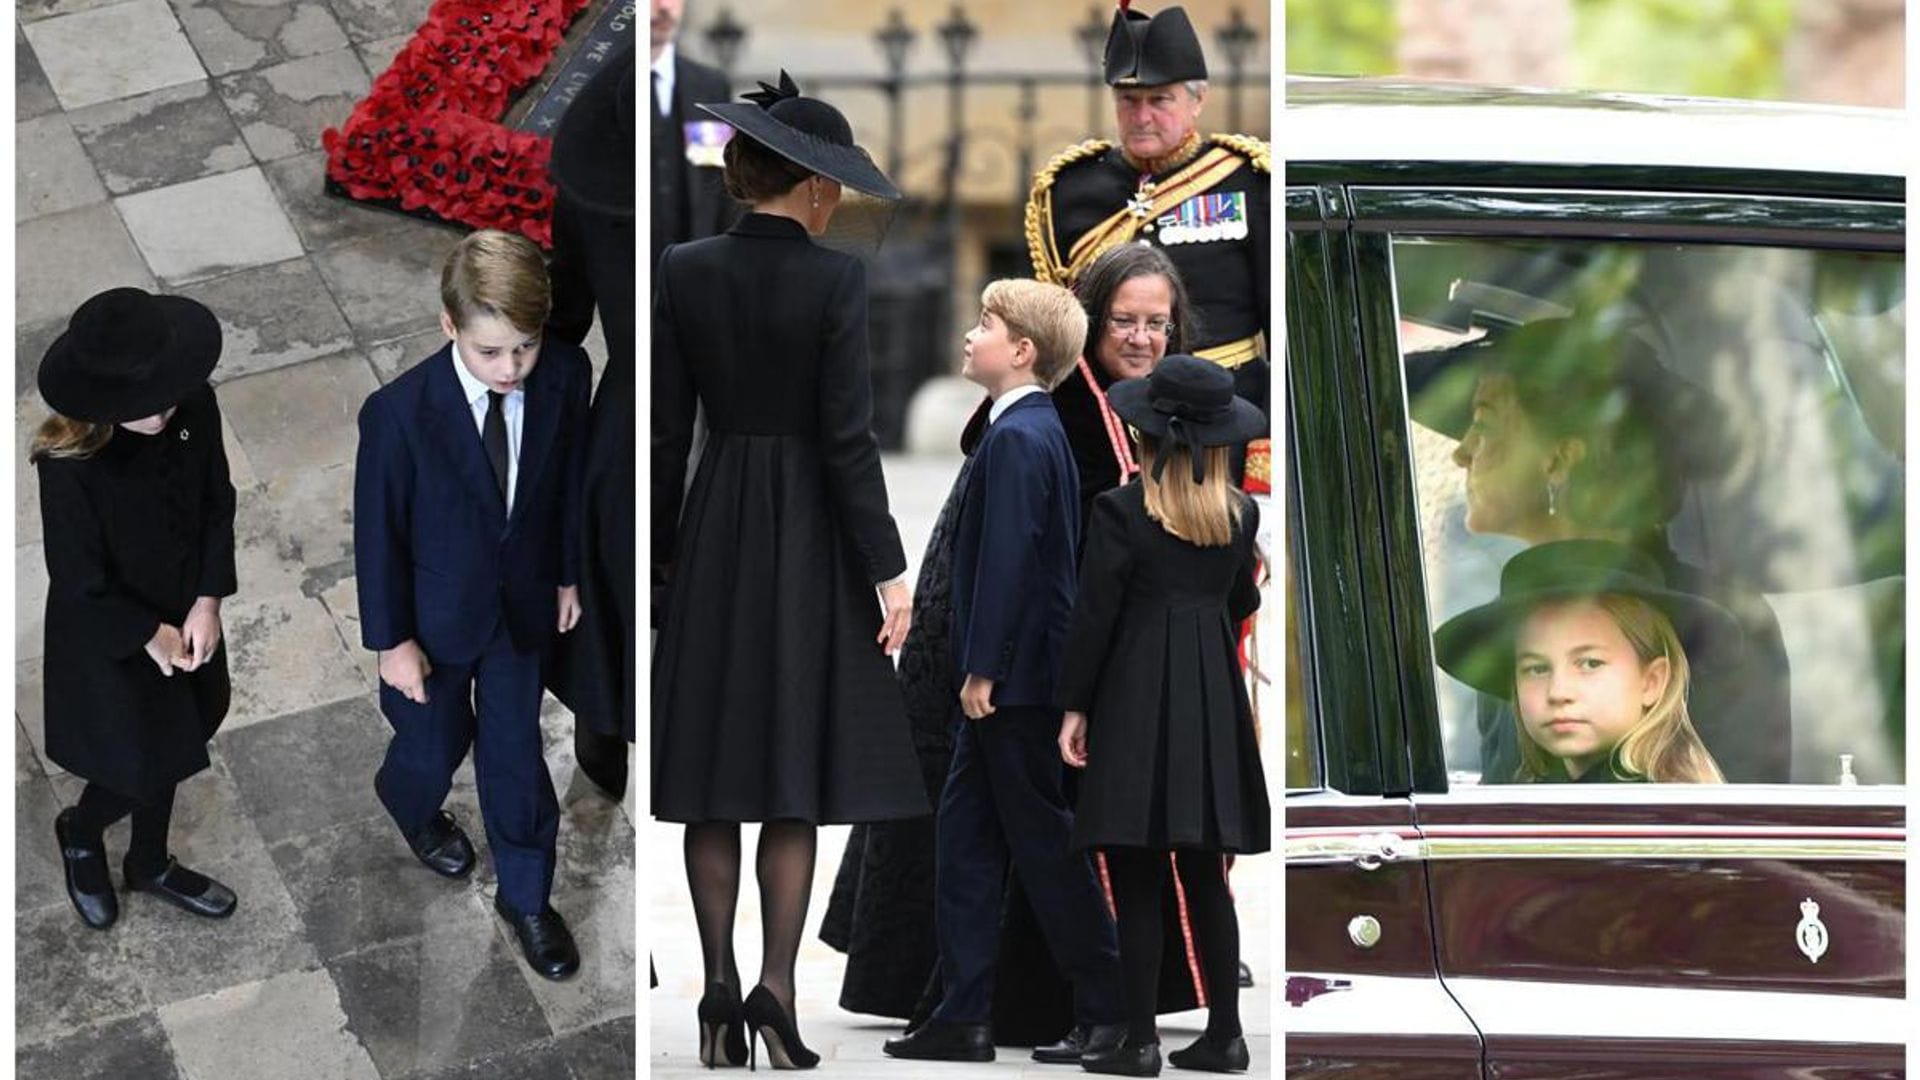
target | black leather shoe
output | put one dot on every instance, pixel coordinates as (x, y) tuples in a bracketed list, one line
[(442, 847), (1065, 1052), (194, 893), (88, 885), (1083, 1038), (544, 940), (939, 1040), (1125, 1059), (1246, 977), (1206, 1055)]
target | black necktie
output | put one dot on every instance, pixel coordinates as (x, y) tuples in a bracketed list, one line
[(493, 437)]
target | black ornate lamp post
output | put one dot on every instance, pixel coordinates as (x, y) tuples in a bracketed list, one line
[(895, 39), (1236, 40), (957, 36), (1092, 38), (724, 36)]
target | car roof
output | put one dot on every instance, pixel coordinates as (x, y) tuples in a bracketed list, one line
[(1397, 120)]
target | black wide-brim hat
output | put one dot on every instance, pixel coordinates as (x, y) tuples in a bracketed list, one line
[(592, 159), (1188, 401), (1477, 646), (806, 131), (1153, 50), (127, 354)]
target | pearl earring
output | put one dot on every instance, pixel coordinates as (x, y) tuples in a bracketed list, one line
[(1551, 509)]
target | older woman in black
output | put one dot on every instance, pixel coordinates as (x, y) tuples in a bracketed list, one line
[(773, 698), (138, 512)]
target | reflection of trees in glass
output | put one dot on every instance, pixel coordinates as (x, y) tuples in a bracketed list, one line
[(1801, 354), (1342, 37), (1300, 763)]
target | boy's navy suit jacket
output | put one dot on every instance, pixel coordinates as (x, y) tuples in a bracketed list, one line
[(439, 561), (1013, 568)]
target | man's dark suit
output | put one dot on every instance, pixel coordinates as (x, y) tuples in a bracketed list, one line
[(1013, 584), (441, 562), (689, 201)]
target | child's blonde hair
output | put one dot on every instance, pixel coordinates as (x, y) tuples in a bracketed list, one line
[(490, 272), (1203, 514), (64, 437), (1047, 315), (1663, 747)]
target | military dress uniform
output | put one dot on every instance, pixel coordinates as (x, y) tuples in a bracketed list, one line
[(1208, 210)]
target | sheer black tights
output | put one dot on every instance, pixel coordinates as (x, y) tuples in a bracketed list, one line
[(784, 866), (1139, 876)]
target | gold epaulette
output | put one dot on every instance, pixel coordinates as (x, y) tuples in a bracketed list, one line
[(1048, 266), (1258, 151)]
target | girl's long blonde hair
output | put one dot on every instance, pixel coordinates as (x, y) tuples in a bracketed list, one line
[(64, 437), (1203, 514), (1663, 747)]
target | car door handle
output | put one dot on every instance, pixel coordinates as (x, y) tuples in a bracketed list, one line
[(1374, 850)]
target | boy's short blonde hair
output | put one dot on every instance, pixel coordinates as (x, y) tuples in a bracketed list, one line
[(496, 273), (1047, 315)]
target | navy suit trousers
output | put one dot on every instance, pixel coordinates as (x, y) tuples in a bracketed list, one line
[(492, 706), (1003, 798)]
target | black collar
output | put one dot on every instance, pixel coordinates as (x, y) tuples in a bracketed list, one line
[(769, 225)]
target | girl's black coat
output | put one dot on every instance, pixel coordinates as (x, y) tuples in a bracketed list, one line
[(133, 535)]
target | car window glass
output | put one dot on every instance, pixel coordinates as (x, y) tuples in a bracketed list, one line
[(1303, 740), (1716, 423)]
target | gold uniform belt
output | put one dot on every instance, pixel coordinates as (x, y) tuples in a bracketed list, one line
[(1232, 354)]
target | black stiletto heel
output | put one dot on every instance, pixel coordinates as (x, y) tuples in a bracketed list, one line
[(770, 1022), (722, 1028)]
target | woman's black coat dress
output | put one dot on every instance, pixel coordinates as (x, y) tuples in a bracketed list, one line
[(593, 666), (771, 697), (134, 535)]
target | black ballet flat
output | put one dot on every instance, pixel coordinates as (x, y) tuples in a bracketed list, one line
[(768, 1022), (191, 892), (723, 1030), (89, 887), (1207, 1055)]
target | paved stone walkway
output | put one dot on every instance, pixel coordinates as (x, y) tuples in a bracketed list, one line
[(175, 147)]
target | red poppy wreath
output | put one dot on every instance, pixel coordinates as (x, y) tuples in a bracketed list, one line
[(427, 138)]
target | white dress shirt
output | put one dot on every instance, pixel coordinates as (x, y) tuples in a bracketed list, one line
[(663, 78), (515, 407), (1006, 400)]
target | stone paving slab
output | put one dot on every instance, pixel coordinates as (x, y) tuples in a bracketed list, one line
[(131, 1047), (440, 1000), (301, 417), (106, 53), (282, 109), (388, 285), (32, 94), (208, 227), (238, 35), (272, 317), (373, 20), (82, 980), (288, 1027), (602, 1052), (165, 137), (50, 171), (285, 656), (378, 55), (61, 259)]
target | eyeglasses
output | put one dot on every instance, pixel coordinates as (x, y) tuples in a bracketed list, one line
[(1121, 326)]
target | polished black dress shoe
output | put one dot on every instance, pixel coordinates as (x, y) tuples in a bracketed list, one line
[(88, 885), (939, 1040), (1083, 1038), (442, 847), (723, 1032), (768, 1022), (1208, 1055), (1246, 977), (1125, 1059), (544, 940), (194, 893)]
